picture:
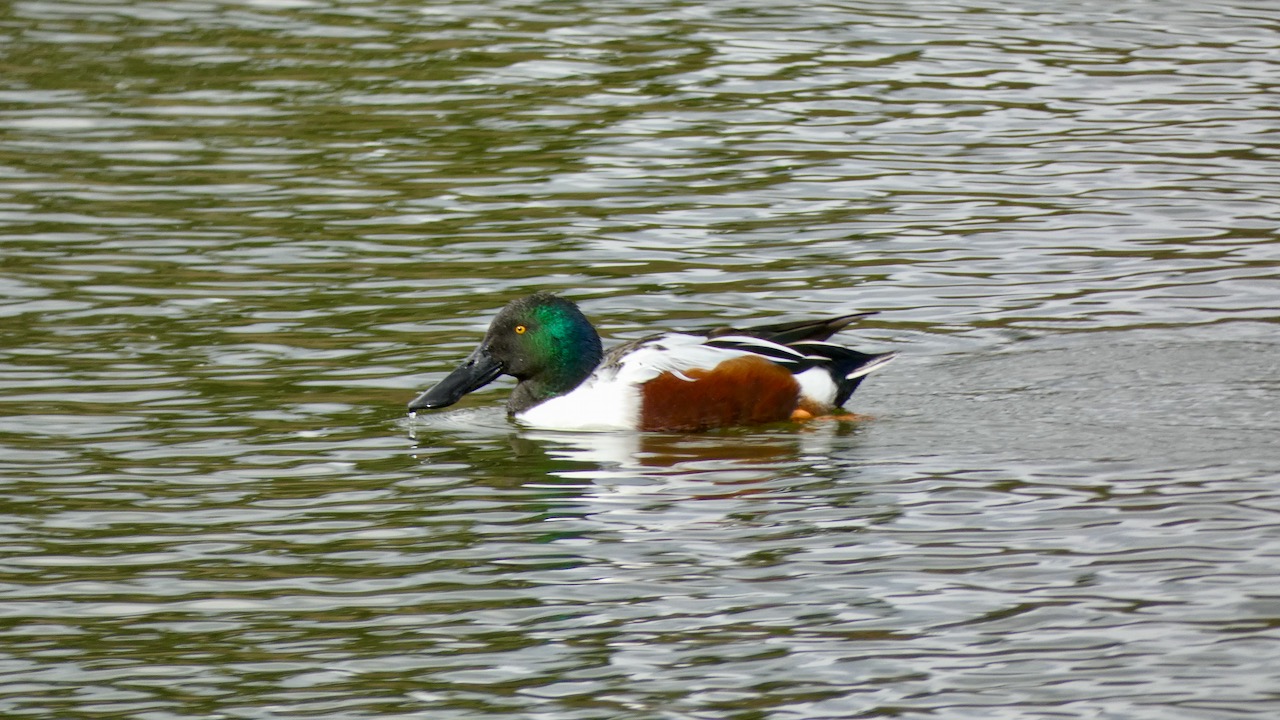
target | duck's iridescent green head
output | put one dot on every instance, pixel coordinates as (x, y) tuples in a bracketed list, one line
[(542, 340)]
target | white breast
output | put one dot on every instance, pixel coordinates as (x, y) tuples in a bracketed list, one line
[(596, 404)]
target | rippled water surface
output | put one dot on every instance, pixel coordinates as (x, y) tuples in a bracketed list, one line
[(239, 236)]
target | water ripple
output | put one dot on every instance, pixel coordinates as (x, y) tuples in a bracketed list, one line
[(238, 236)]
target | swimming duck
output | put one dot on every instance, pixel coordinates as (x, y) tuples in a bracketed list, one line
[(667, 382)]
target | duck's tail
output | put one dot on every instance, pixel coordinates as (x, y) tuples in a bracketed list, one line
[(848, 367)]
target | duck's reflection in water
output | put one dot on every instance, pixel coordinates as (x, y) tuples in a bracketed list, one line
[(721, 458)]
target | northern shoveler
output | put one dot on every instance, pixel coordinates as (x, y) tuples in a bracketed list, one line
[(671, 381)]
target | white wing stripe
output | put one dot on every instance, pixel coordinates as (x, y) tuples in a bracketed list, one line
[(871, 366), (758, 346)]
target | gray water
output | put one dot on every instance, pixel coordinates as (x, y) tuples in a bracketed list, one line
[(239, 236)]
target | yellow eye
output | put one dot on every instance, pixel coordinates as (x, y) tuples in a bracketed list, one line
[(520, 329)]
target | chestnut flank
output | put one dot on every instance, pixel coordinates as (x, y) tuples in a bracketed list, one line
[(747, 390)]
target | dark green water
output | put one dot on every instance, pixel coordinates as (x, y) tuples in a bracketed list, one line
[(238, 237)]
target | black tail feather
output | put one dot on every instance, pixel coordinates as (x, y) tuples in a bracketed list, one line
[(792, 332)]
